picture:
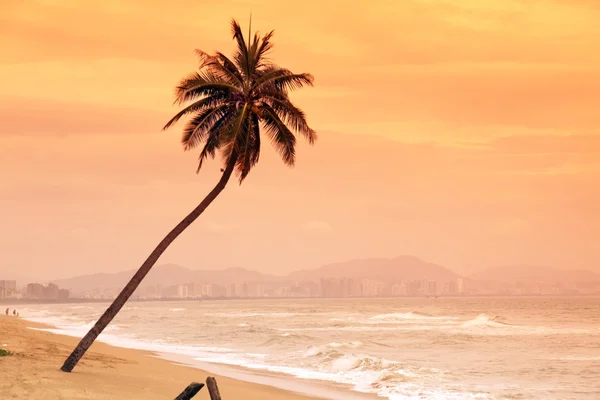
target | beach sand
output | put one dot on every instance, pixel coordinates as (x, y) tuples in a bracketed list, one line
[(105, 372)]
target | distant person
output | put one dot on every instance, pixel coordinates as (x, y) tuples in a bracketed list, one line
[(7, 311), (15, 312)]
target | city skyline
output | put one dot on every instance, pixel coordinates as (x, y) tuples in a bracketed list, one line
[(398, 277), (331, 288)]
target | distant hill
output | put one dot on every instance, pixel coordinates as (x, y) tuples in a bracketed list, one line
[(391, 270), (527, 273), (386, 269), (166, 275)]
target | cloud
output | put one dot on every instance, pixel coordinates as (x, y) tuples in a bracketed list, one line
[(315, 226), (21, 116), (469, 64), (548, 144)]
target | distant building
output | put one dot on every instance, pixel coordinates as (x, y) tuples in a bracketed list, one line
[(460, 286), (206, 290), (399, 289), (51, 291), (431, 287), (330, 287), (63, 294), (182, 291), (372, 288), (37, 291), (8, 289), (9, 285)]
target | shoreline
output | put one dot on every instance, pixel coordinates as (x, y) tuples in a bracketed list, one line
[(106, 371), (77, 300)]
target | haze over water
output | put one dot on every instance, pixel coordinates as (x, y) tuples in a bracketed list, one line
[(476, 348)]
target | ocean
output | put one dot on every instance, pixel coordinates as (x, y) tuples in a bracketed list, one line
[(397, 349)]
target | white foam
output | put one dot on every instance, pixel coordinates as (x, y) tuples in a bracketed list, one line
[(250, 315), (409, 316), (483, 320), (328, 363), (353, 362)]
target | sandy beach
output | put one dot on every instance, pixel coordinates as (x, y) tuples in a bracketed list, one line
[(106, 372)]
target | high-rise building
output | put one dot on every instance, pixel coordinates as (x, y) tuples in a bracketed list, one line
[(372, 288), (9, 285), (35, 291), (51, 291), (8, 289), (460, 288), (330, 287), (207, 290), (399, 289), (63, 294), (182, 291), (431, 287)]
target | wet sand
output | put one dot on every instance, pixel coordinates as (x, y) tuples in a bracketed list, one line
[(105, 372)]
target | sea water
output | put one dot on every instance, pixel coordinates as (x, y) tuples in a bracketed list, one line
[(444, 348)]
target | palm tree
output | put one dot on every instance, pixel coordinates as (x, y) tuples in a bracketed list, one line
[(230, 102)]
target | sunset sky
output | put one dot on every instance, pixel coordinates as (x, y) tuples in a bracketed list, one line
[(464, 132)]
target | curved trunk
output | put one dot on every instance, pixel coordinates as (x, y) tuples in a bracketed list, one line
[(135, 281)]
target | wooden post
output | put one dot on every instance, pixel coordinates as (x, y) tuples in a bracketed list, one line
[(213, 389), (190, 391)]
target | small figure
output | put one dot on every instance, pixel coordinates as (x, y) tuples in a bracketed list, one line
[(7, 310), (15, 312)]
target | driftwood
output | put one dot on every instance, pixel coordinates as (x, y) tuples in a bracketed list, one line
[(213, 389), (190, 391)]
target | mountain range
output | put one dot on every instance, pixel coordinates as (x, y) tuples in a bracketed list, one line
[(391, 270), (527, 273)]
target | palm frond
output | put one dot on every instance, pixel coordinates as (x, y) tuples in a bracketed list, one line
[(221, 69), (291, 115), (214, 138), (265, 47), (283, 80), (256, 131), (210, 148), (202, 104), (282, 138), (252, 54), (251, 147), (241, 55), (200, 125), (230, 65), (199, 84), (290, 81), (232, 138)]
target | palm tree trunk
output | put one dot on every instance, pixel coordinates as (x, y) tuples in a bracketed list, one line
[(135, 281)]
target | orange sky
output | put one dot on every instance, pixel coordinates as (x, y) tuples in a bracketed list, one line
[(463, 132)]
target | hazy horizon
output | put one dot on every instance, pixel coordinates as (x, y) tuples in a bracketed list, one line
[(469, 138), (21, 279)]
